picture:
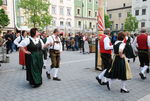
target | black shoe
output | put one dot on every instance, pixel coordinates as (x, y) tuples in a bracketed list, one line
[(48, 75), (108, 87), (104, 83), (128, 61), (123, 91), (36, 86), (99, 80), (142, 76), (147, 71), (56, 79)]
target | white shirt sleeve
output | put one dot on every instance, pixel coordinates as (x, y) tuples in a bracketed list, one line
[(148, 41), (17, 40), (121, 47), (49, 40), (107, 45), (24, 42)]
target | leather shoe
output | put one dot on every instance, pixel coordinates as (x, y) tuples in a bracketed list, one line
[(123, 91), (142, 76), (99, 80), (56, 79), (48, 75), (108, 86)]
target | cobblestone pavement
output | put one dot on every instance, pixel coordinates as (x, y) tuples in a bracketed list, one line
[(78, 82)]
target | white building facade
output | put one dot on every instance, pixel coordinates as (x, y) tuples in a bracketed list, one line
[(141, 9), (62, 12)]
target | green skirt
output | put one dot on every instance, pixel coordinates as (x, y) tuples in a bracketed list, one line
[(34, 64)]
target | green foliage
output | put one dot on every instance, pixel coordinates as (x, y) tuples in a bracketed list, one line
[(1, 2), (37, 12), (4, 20), (131, 23), (107, 21)]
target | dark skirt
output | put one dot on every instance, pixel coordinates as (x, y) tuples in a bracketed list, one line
[(34, 64), (118, 69)]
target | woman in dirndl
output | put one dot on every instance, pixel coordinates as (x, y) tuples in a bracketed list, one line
[(120, 68), (21, 53), (34, 57)]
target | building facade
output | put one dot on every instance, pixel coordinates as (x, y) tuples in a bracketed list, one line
[(118, 11), (9, 9), (141, 9), (85, 15), (63, 15)]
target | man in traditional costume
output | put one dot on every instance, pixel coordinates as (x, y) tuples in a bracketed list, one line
[(106, 55), (55, 49), (142, 42)]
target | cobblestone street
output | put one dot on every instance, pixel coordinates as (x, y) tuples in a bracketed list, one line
[(78, 82)]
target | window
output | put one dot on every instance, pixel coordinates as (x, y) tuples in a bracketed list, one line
[(96, 1), (116, 26), (144, 0), (53, 9), (78, 11), (69, 24), (110, 16), (54, 22), (79, 23), (61, 1), (89, 13), (119, 15), (142, 24), (4, 2), (90, 0), (136, 12), (122, 25), (61, 23), (90, 25), (143, 11), (95, 14), (69, 11), (61, 11), (124, 4)]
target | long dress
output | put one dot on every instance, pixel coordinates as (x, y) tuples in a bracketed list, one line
[(120, 68), (34, 63)]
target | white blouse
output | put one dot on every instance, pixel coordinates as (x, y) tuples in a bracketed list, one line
[(57, 46), (26, 42), (122, 45), (18, 39)]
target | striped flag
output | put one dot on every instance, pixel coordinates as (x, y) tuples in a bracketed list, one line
[(100, 22)]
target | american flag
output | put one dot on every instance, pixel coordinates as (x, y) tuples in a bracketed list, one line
[(100, 22)]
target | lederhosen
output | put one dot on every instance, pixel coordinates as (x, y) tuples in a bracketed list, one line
[(34, 63), (55, 56)]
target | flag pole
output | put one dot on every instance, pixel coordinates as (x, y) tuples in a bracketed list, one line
[(98, 60)]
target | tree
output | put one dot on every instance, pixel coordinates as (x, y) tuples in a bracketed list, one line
[(107, 21), (4, 20), (37, 11), (131, 23)]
